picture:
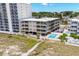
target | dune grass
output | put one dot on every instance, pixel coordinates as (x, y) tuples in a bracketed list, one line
[(55, 49), (22, 41)]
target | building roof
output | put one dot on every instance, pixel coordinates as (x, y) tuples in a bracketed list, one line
[(40, 19), (75, 19)]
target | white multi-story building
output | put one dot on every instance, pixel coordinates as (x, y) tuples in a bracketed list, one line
[(42, 25), (10, 15), (73, 26)]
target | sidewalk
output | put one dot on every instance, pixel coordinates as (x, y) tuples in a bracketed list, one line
[(29, 51)]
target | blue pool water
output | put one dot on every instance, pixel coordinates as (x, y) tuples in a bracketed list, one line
[(52, 36)]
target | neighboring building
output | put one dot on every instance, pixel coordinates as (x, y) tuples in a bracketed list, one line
[(42, 26), (73, 26), (10, 15), (66, 18)]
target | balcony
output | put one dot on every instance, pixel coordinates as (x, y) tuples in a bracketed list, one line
[(74, 24), (73, 28)]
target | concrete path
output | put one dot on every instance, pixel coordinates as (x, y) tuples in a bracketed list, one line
[(32, 49)]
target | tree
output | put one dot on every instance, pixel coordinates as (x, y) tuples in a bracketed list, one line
[(61, 17), (64, 34), (43, 14), (35, 14), (67, 13), (63, 37), (65, 22), (38, 35)]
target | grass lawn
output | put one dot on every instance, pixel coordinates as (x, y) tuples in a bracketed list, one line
[(24, 43), (55, 49)]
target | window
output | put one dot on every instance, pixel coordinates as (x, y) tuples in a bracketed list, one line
[(38, 22), (43, 30), (26, 21), (43, 26), (38, 26)]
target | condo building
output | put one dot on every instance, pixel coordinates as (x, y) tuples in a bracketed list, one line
[(10, 15), (42, 25), (73, 25)]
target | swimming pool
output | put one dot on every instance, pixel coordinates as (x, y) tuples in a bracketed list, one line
[(52, 36)]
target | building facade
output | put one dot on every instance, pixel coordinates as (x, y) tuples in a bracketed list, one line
[(73, 26), (42, 26), (10, 15)]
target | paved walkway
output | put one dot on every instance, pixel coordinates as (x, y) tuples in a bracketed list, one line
[(29, 51)]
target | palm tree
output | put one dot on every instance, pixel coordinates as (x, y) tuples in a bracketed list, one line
[(61, 17), (63, 37)]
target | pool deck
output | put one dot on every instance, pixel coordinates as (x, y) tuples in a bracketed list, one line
[(56, 38)]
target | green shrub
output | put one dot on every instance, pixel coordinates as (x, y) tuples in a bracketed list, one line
[(75, 36)]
